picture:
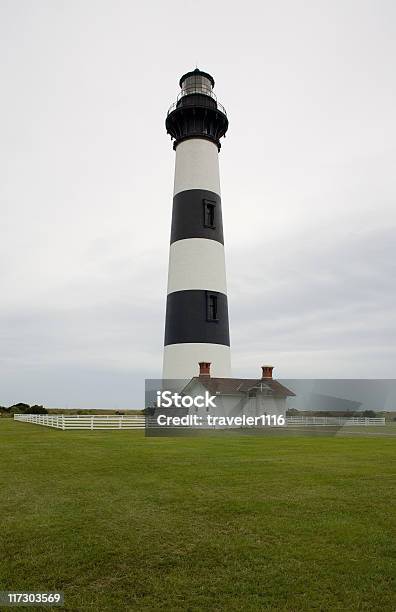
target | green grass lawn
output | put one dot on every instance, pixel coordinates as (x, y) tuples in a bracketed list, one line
[(235, 522)]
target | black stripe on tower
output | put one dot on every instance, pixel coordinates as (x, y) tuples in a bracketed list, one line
[(197, 214), (197, 316)]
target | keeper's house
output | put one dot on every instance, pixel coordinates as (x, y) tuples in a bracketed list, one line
[(238, 396)]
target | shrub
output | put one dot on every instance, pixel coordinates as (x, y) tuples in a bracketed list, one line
[(369, 414), (20, 407), (38, 410)]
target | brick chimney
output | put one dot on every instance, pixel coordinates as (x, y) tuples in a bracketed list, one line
[(267, 371), (204, 368)]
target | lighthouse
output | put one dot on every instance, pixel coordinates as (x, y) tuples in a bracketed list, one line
[(196, 325)]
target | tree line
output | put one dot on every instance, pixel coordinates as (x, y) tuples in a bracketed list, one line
[(22, 408)]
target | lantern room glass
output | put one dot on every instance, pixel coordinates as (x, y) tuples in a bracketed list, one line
[(197, 84)]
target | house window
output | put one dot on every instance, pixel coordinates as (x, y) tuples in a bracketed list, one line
[(211, 307), (209, 213)]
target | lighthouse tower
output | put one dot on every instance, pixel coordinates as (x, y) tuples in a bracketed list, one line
[(196, 327)]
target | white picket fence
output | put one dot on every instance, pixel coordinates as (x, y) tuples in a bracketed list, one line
[(84, 421), (334, 421), (109, 421)]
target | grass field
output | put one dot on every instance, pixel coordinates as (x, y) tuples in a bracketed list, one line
[(235, 523)]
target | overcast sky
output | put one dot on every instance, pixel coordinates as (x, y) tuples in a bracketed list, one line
[(308, 188)]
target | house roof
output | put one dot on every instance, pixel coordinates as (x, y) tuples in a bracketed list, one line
[(236, 386)]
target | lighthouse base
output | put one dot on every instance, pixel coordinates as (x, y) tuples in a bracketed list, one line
[(181, 360)]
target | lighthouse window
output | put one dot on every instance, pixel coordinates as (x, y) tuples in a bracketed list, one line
[(209, 214), (212, 310)]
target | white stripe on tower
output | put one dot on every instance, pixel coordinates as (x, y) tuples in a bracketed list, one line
[(196, 326), (197, 164), (196, 263)]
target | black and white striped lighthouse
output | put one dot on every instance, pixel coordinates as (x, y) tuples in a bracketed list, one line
[(196, 327)]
